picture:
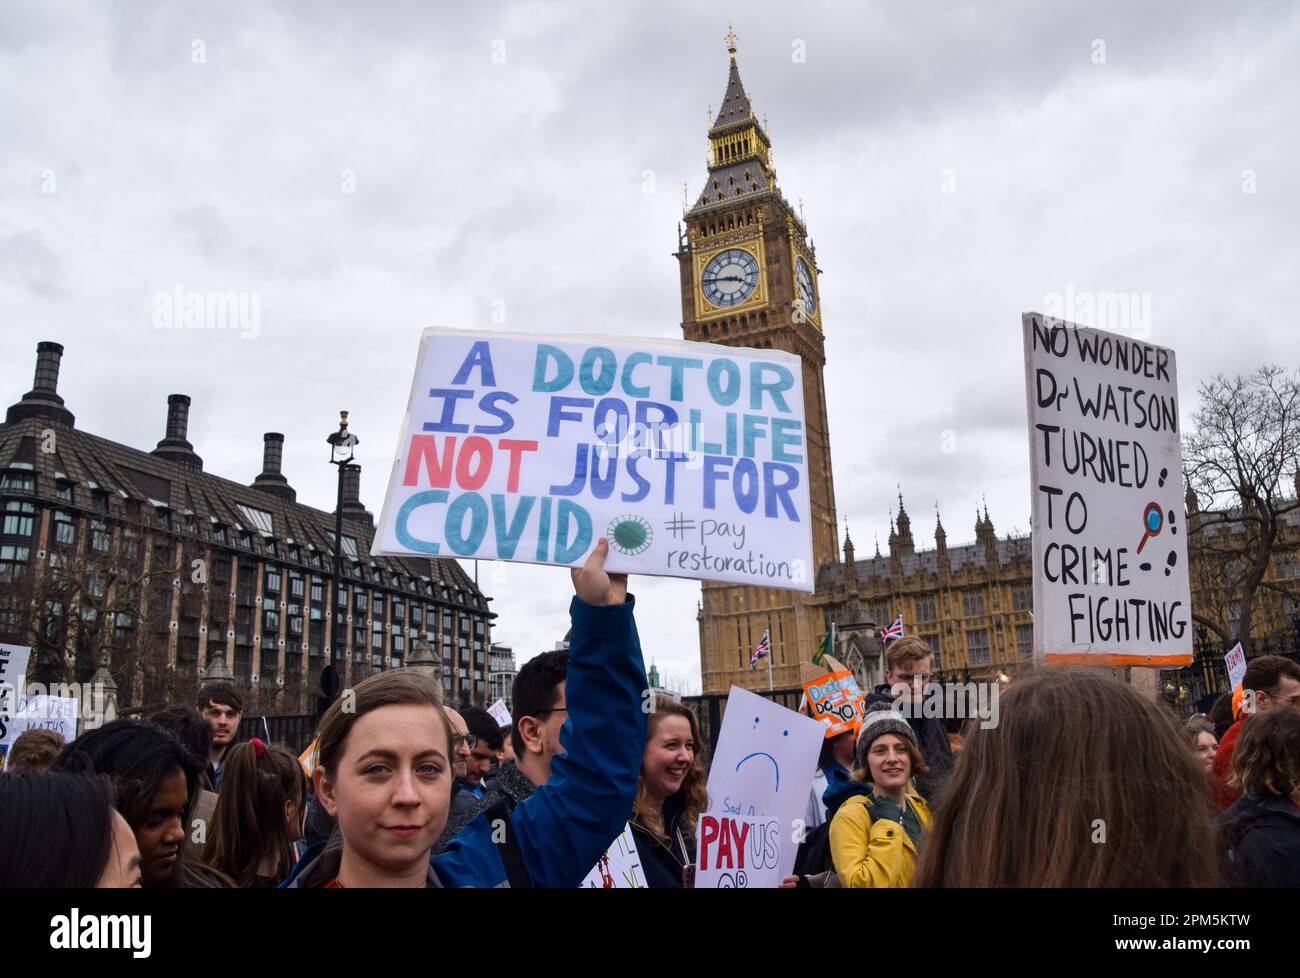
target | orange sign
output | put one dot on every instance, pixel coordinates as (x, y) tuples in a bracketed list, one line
[(835, 701)]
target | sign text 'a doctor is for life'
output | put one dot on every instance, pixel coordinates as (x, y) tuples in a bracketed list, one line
[(690, 458)]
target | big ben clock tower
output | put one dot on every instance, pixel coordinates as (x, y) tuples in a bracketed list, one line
[(749, 278)]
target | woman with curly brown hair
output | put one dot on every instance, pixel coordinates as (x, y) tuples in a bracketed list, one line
[(670, 796)]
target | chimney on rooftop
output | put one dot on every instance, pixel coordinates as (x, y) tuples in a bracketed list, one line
[(271, 479), (43, 400), (175, 447)]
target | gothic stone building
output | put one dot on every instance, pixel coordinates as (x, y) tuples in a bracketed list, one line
[(972, 604), (145, 559)]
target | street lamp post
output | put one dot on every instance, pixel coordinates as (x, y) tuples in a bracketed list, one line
[(342, 449)]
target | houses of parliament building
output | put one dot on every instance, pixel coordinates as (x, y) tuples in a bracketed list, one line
[(749, 278)]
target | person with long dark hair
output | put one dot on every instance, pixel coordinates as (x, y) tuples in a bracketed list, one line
[(259, 816), (96, 847), (1082, 783), (194, 731), (154, 777)]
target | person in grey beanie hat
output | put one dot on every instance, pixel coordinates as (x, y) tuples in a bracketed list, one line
[(876, 834), (876, 822), (880, 719)]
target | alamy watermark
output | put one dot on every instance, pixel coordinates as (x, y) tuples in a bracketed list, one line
[(1119, 312), (186, 309), (38, 705), (950, 701)]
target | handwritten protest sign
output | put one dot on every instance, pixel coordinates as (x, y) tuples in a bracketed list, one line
[(499, 713), (13, 684), (620, 867), (41, 712), (1110, 544), (738, 852), (835, 701), (764, 766), (1235, 660), (690, 458)]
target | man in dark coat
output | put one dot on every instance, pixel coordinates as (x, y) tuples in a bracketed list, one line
[(908, 666)]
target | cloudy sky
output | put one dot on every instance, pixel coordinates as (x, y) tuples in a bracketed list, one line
[(366, 170)]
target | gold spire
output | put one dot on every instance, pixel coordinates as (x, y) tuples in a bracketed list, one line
[(731, 41)]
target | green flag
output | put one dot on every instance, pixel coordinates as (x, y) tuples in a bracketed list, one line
[(827, 646)]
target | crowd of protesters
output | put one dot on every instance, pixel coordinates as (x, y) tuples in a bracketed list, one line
[(1082, 782)]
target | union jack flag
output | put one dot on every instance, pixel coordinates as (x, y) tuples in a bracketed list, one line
[(891, 632), (761, 649)]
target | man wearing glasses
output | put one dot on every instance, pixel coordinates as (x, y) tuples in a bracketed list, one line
[(1274, 684), (461, 744), (909, 664)]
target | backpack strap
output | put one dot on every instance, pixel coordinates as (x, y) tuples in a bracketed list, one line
[(512, 857)]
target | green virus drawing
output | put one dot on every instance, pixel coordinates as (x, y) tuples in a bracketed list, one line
[(630, 535)]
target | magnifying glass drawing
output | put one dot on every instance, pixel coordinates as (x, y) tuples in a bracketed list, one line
[(1153, 521)]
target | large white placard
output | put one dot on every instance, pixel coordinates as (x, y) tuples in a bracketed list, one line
[(690, 458), (764, 766), (1109, 533)]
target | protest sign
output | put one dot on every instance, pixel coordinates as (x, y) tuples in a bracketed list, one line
[(1235, 660), (763, 766), (690, 458), (620, 867), (41, 712), (1109, 537), (835, 701), (13, 683), (500, 714), (738, 852)]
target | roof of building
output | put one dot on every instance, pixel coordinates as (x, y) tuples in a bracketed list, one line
[(126, 483), (1010, 550)]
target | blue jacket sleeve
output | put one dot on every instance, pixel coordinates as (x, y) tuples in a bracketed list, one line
[(566, 825)]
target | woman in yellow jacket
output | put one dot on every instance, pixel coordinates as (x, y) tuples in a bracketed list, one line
[(876, 832)]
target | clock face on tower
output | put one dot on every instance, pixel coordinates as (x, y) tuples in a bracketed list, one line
[(730, 277), (803, 281)]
